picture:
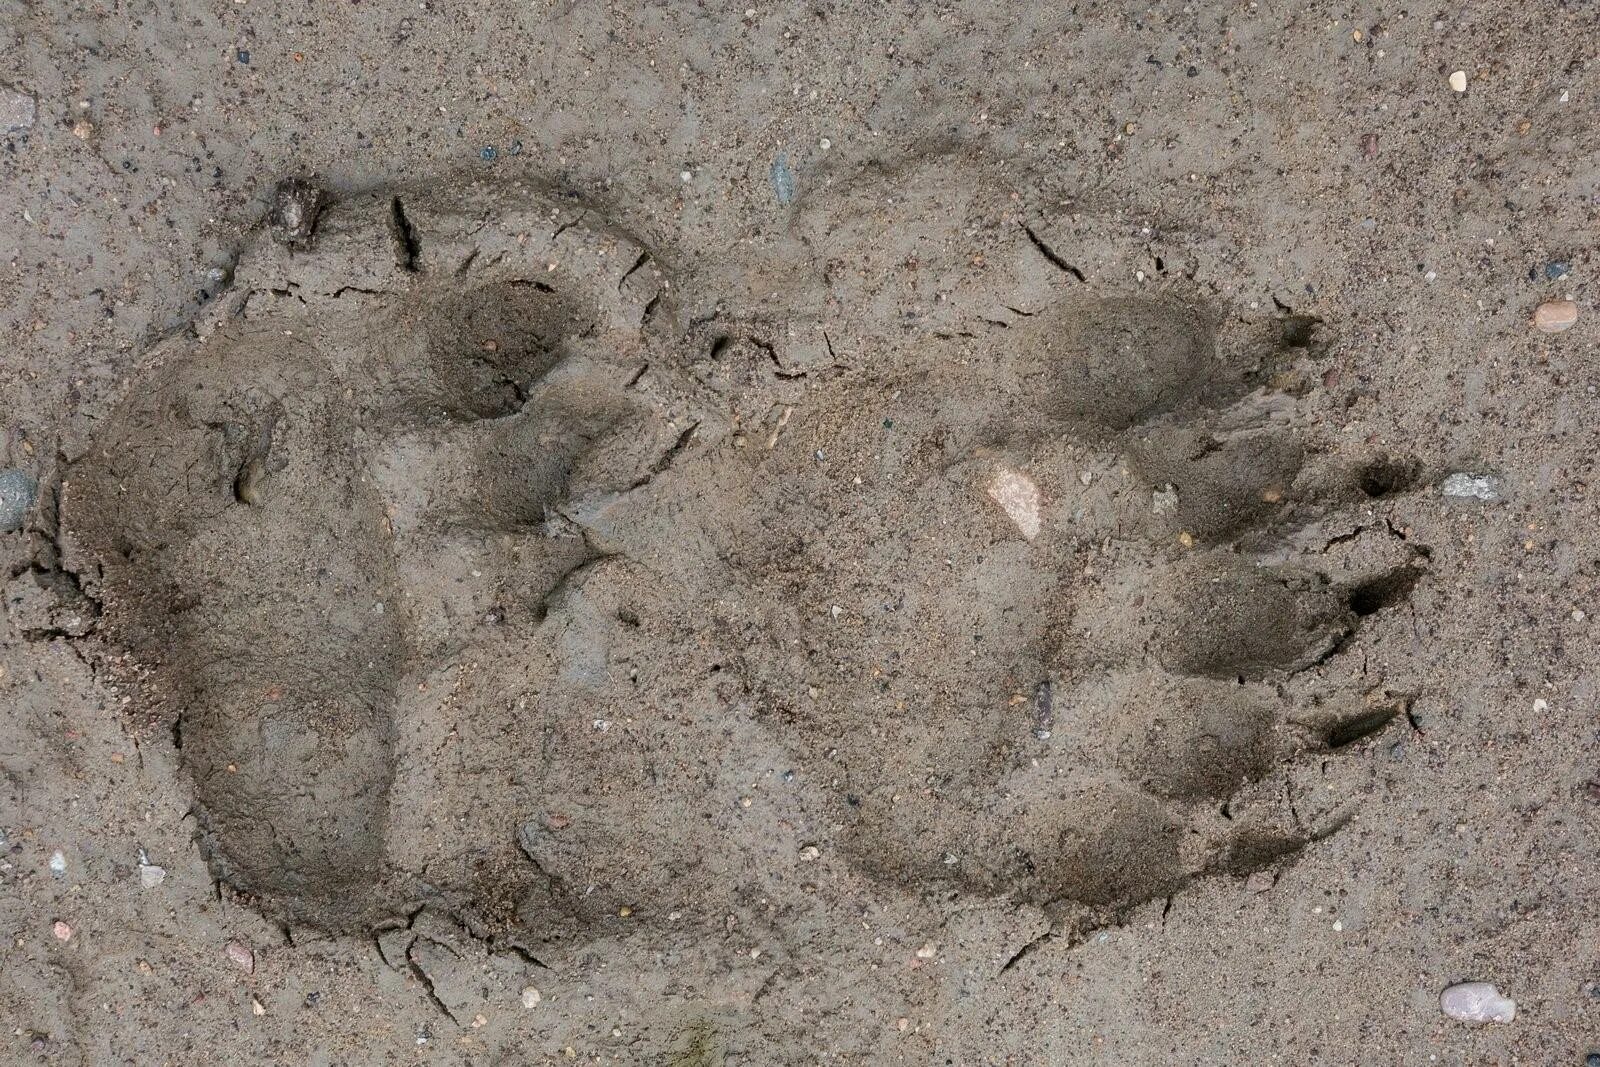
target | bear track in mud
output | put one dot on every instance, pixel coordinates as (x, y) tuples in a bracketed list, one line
[(395, 386), (1143, 577), (1062, 612)]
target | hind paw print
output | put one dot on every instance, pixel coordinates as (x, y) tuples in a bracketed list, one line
[(365, 463)]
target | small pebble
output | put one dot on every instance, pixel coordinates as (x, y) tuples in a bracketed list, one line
[(18, 489), (1554, 316), (1164, 501), (58, 864), (811, 853), (17, 109), (1555, 270), (531, 997), (62, 931), (257, 1007), (296, 204), (1592, 1060), (782, 178), (1463, 485), (150, 876), (1458, 81), (240, 954), (926, 952), (1018, 496), (1477, 1002)]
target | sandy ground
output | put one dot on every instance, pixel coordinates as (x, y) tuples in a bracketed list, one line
[(814, 534)]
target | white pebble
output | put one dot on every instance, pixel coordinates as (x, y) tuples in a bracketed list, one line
[(1458, 81), (58, 864), (531, 997), (1018, 496), (1477, 1002), (1471, 486), (151, 876)]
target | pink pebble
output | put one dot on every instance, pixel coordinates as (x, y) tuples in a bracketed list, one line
[(240, 953)]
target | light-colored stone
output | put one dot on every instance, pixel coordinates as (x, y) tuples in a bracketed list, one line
[(531, 997), (1477, 1002), (150, 876), (1458, 81), (1164, 501), (240, 954), (1554, 316), (1465, 485), (17, 109), (1018, 496)]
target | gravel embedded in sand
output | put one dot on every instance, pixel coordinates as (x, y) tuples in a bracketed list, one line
[(1555, 316), (1477, 1002)]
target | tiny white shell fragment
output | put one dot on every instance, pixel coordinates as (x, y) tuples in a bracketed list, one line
[(1477, 1002), (1017, 494)]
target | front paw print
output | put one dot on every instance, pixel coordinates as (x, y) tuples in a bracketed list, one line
[(1076, 623)]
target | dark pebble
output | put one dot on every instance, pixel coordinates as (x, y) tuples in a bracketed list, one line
[(243, 56), (1552, 270), (487, 152), (18, 489), (1592, 1060)]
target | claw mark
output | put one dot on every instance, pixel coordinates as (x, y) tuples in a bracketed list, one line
[(665, 459), (644, 257), (427, 984), (1050, 254), (1025, 950), (247, 481), (405, 236), (649, 312)]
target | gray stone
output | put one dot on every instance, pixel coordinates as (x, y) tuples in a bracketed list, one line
[(17, 109), (1463, 485), (17, 491)]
